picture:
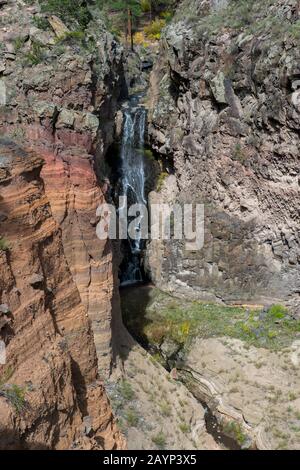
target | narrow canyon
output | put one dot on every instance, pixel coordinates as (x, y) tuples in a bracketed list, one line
[(139, 342)]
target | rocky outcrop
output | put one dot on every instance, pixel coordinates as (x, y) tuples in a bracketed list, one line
[(50, 396), (225, 116), (61, 96)]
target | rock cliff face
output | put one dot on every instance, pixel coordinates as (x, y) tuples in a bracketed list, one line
[(58, 95), (225, 116), (49, 392), (61, 94)]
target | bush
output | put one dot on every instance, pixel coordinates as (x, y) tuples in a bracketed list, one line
[(18, 44), (126, 391), (40, 22), (69, 11), (12, 392), (35, 55), (159, 440), (72, 37), (15, 395), (154, 29), (294, 30), (139, 38), (234, 430), (145, 6), (277, 311), (132, 417), (238, 153), (167, 16), (185, 428), (160, 180), (166, 409), (4, 245)]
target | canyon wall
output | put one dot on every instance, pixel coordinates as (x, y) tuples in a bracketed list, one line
[(49, 392), (225, 120), (58, 97), (61, 98)]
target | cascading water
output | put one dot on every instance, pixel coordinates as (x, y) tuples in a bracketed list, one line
[(132, 185)]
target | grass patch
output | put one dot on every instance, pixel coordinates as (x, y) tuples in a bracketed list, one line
[(159, 440), (160, 180), (154, 29), (36, 54), (125, 390), (4, 244), (132, 418), (69, 11), (72, 37), (185, 428), (165, 409), (238, 153), (40, 22), (18, 44), (13, 393), (182, 320)]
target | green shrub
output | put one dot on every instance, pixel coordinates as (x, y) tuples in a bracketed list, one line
[(126, 390), (154, 29), (277, 311), (12, 392), (234, 430), (167, 16), (132, 417), (159, 440), (185, 428), (69, 11), (149, 154), (165, 409), (238, 153), (6, 376), (72, 36), (145, 6), (4, 245), (18, 44), (160, 180), (294, 30), (36, 54), (40, 22), (15, 395)]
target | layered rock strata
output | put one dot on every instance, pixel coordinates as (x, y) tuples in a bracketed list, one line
[(61, 94), (50, 397)]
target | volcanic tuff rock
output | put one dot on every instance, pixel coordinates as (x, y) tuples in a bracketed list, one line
[(61, 96), (225, 114), (49, 386)]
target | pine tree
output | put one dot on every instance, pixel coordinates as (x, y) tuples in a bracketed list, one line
[(128, 11)]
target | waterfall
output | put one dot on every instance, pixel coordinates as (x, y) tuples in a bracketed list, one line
[(132, 185)]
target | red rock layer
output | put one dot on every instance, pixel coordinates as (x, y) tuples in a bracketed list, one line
[(63, 107), (51, 355)]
